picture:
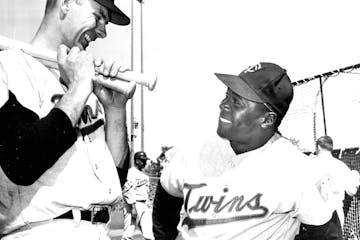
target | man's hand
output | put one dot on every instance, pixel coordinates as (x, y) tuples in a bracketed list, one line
[(76, 68), (109, 98)]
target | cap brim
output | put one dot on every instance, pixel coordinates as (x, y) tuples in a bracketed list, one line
[(116, 15), (239, 86), (142, 159)]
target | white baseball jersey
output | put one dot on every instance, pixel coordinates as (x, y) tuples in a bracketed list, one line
[(84, 175), (261, 194), (136, 186), (339, 178)]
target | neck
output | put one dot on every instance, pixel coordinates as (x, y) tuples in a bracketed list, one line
[(48, 36), (257, 142), (324, 152)]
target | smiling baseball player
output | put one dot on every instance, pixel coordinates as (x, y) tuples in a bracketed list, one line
[(62, 137), (247, 182)]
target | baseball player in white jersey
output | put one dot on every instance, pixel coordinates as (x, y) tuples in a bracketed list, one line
[(343, 179), (247, 182), (136, 194), (61, 139)]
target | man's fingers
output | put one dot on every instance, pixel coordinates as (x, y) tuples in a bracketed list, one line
[(107, 66), (124, 68), (73, 53), (97, 62), (62, 52), (115, 69)]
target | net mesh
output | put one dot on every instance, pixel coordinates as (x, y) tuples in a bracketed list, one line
[(305, 122), (351, 229)]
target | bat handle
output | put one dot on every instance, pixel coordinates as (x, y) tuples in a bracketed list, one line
[(143, 79), (125, 87)]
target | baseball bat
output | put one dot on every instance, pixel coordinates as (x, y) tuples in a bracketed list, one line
[(48, 58)]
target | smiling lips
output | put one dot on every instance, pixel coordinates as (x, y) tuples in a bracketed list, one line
[(224, 120)]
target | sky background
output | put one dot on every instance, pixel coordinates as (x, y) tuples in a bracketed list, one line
[(186, 41)]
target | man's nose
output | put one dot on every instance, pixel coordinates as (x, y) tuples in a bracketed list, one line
[(101, 29), (224, 105)]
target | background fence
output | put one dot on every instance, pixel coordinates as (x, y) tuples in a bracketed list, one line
[(351, 157)]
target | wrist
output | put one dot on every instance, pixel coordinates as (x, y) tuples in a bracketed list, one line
[(80, 89), (115, 111)]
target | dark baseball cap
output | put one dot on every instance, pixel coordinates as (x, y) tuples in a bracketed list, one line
[(140, 156), (116, 15), (263, 83)]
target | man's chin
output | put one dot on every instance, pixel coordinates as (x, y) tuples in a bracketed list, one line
[(220, 133)]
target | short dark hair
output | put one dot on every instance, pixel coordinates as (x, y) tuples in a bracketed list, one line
[(325, 142), (278, 121), (279, 117)]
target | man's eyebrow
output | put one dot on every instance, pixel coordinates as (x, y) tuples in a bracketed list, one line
[(105, 14)]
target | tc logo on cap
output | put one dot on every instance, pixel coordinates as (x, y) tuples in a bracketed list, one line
[(253, 68)]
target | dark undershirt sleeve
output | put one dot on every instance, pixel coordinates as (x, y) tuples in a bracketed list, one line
[(166, 214), (29, 145), (122, 172)]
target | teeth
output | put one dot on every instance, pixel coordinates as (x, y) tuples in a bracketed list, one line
[(87, 37), (224, 120)]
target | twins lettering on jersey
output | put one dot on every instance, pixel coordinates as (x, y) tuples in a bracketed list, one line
[(137, 183), (236, 207), (141, 182)]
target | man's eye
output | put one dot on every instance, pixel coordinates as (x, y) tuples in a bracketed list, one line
[(97, 17), (237, 102)]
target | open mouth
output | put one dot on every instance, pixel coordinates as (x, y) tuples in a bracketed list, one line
[(85, 39), (224, 120)]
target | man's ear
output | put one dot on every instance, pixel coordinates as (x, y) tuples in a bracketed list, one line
[(269, 119), (65, 6)]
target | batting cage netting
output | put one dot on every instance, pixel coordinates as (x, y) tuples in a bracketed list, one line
[(329, 104), (351, 230)]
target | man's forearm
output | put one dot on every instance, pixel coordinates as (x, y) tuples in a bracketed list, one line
[(72, 103), (116, 135)]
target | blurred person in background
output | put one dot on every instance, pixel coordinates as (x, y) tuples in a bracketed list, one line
[(338, 179), (136, 197)]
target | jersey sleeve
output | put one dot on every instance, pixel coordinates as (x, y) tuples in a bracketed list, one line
[(129, 180), (4, 91), (312, 205), (172, 178), (350, 179), (29, 145), (354, 182)]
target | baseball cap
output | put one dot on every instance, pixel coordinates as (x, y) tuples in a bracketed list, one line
[(116, 15), (263, 83), (141, 156)]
